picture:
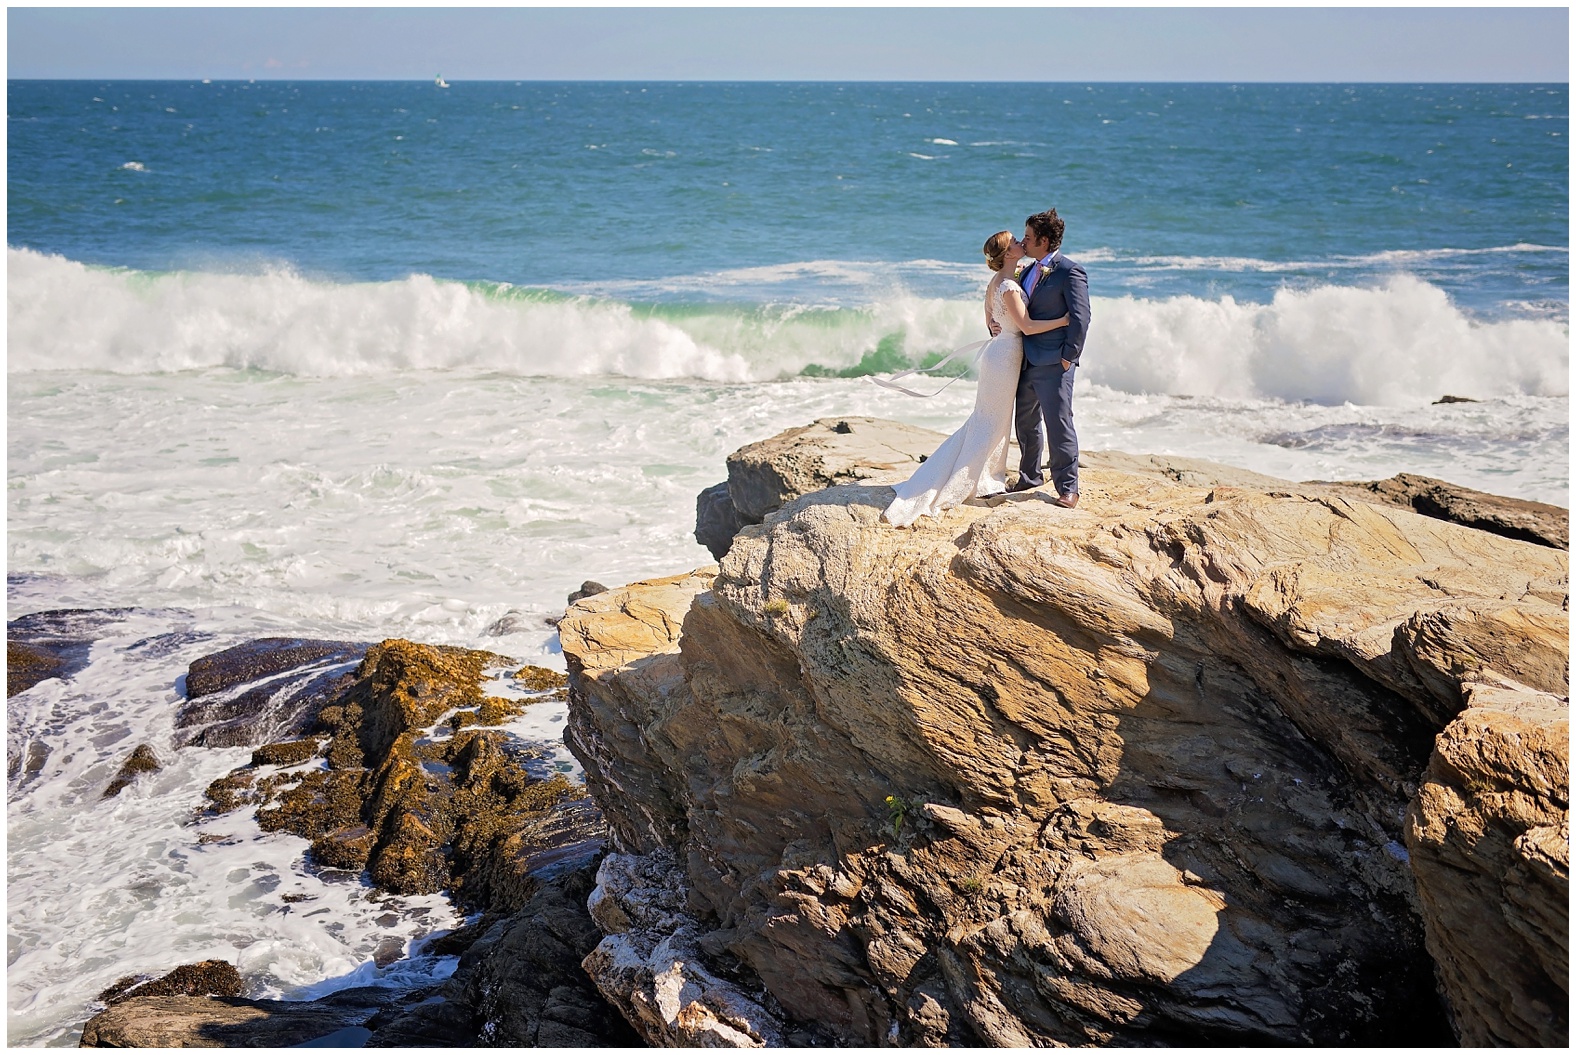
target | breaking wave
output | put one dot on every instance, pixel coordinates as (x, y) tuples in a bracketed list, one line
[(1398, 343)]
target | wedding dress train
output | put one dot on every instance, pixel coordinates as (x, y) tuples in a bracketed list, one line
[(973, 460)]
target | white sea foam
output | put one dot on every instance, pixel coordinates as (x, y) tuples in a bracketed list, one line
[(1402, 342), (280, 321), (134, 166), (139, 883)]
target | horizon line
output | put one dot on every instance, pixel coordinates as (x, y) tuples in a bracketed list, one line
[(749, 80)]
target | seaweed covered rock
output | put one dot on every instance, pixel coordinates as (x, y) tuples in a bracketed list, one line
[(1133, 773), (417, 791), (27, 665), (207, 978)]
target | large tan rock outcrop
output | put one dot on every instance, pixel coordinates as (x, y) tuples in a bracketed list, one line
[(1131, 773), (1489, 835)]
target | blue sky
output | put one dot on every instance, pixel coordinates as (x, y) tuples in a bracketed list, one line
[(988, 43)]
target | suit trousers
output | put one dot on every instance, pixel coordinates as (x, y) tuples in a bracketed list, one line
[(1046, 393)]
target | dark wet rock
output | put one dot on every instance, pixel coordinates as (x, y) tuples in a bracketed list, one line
[(66, 624), (231, 1021), (207, 978), (589, 588), (53, 644), (1454, 399), (519, 984), (25, 758), (260, 659), (268, 689), (161, 645), (141, 760), (511, 622), (390, 950), (455, 942), (1516, 518), (440, 1021), (412, 810), (717, 519)]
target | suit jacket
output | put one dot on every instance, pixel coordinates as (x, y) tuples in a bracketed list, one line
[(1064, 290)]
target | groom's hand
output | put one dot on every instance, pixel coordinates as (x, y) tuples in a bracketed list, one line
[(1066, 365)]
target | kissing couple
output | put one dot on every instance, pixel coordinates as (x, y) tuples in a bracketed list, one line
[(1038, 318)]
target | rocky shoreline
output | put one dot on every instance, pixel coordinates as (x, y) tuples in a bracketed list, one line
[(1215, 758), (386, 759)]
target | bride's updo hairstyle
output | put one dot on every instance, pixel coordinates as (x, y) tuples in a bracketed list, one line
[(996, 249)]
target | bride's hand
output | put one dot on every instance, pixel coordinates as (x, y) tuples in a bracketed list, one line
[(1057, 324)]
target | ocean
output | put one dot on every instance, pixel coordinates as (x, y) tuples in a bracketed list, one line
[(371, 360)]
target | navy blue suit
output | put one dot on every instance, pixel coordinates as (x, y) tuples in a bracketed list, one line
[(1045, 389)]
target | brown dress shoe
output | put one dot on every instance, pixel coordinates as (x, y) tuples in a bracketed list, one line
[(1068, 500), (1021, 485)]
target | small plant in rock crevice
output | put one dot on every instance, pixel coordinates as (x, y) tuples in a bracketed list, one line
[(897, 809)]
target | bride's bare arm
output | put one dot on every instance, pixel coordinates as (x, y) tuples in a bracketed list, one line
[(1020, 317)]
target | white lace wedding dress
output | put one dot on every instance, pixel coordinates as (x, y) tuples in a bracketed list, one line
[(973, 460)]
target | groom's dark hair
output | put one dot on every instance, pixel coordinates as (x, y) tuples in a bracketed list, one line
[(1048, 225)]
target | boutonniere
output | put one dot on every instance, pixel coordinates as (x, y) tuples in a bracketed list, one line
[(1045, 269)]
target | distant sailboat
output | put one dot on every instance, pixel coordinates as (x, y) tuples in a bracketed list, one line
[(440, 82)]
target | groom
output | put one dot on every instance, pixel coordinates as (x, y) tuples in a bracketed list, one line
[(1054, 286)]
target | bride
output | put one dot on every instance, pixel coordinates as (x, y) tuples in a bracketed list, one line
[(972, 461)]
